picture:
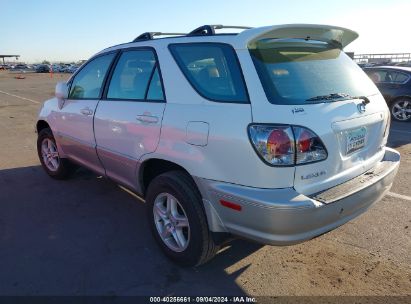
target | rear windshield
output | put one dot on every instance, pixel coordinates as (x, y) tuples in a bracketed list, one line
[(292, 71)]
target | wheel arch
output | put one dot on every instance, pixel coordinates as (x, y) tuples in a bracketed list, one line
[(41, 124), (394, 99), (153, 167)]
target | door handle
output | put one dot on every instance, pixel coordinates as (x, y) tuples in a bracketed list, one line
[(147, 118), (86, 111)]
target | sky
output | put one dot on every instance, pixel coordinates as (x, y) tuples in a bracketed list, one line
[(62, 30)]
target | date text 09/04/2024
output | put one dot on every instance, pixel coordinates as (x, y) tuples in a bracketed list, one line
[(206, 299)]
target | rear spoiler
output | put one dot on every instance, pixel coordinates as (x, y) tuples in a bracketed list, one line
[(327, 33)]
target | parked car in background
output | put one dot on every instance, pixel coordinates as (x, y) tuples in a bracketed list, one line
[(64, 67), (395, 85), (404, 63), (20, 67), (55, 68), (72, 69), (273, 134), (42, 68), (366, 64)]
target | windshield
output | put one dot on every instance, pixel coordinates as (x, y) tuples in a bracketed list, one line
[(294, 71)]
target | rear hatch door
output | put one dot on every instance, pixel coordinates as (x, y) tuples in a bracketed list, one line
[(312, 83)]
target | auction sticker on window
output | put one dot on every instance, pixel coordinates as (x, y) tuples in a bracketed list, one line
[(355, 139)]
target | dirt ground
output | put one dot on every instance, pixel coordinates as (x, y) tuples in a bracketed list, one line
[(86, 236)]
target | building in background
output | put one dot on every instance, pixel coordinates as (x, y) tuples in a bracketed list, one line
[(388, 58), (9, 56)]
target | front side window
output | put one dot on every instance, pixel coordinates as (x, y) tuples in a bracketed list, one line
[(212, 69), (88, 82), (387, 76), (136, 77), (378, 76), (294, 71)]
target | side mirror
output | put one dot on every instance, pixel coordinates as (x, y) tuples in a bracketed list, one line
[(61, 90)]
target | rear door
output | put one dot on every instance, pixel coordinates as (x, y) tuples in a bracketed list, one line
[(74, 121), (128, 118), (315, 85)]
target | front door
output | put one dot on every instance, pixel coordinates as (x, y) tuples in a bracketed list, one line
[(74, 125)]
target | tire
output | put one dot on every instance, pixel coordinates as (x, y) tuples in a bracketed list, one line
[(199, 246), (56, 167), (400, 109)]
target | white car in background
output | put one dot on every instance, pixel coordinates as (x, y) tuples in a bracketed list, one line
[(273, 134)]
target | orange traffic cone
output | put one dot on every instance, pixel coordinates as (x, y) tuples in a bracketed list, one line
[(20, 76)]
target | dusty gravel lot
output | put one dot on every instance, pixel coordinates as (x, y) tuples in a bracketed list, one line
[(86, 236)]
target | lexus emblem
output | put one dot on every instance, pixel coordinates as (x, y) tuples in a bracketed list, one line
[(361, 107)]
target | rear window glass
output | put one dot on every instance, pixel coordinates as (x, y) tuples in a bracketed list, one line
[(212, 69), (292, 71)]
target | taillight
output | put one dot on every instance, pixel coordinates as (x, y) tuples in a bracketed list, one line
[(275, 144), (304, 141), (309, 146), (278, 143), (282, 145)]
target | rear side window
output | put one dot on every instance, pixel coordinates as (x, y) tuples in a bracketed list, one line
[(88, 82), (400, 78), (136, 77), (212, 69)]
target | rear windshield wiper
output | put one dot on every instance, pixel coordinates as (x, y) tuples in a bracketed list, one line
[(331, 96), (339, 97)]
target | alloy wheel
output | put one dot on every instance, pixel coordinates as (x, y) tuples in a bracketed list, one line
[(171, 222), (401, 110), (50, 154)]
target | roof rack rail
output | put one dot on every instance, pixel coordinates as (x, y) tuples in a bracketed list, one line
[(150, 35), (205, 30), (209, 30)]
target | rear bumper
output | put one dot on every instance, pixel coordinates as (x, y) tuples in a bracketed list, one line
[(283, 216)]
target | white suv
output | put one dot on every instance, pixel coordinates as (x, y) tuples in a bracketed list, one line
[(273, 134)]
